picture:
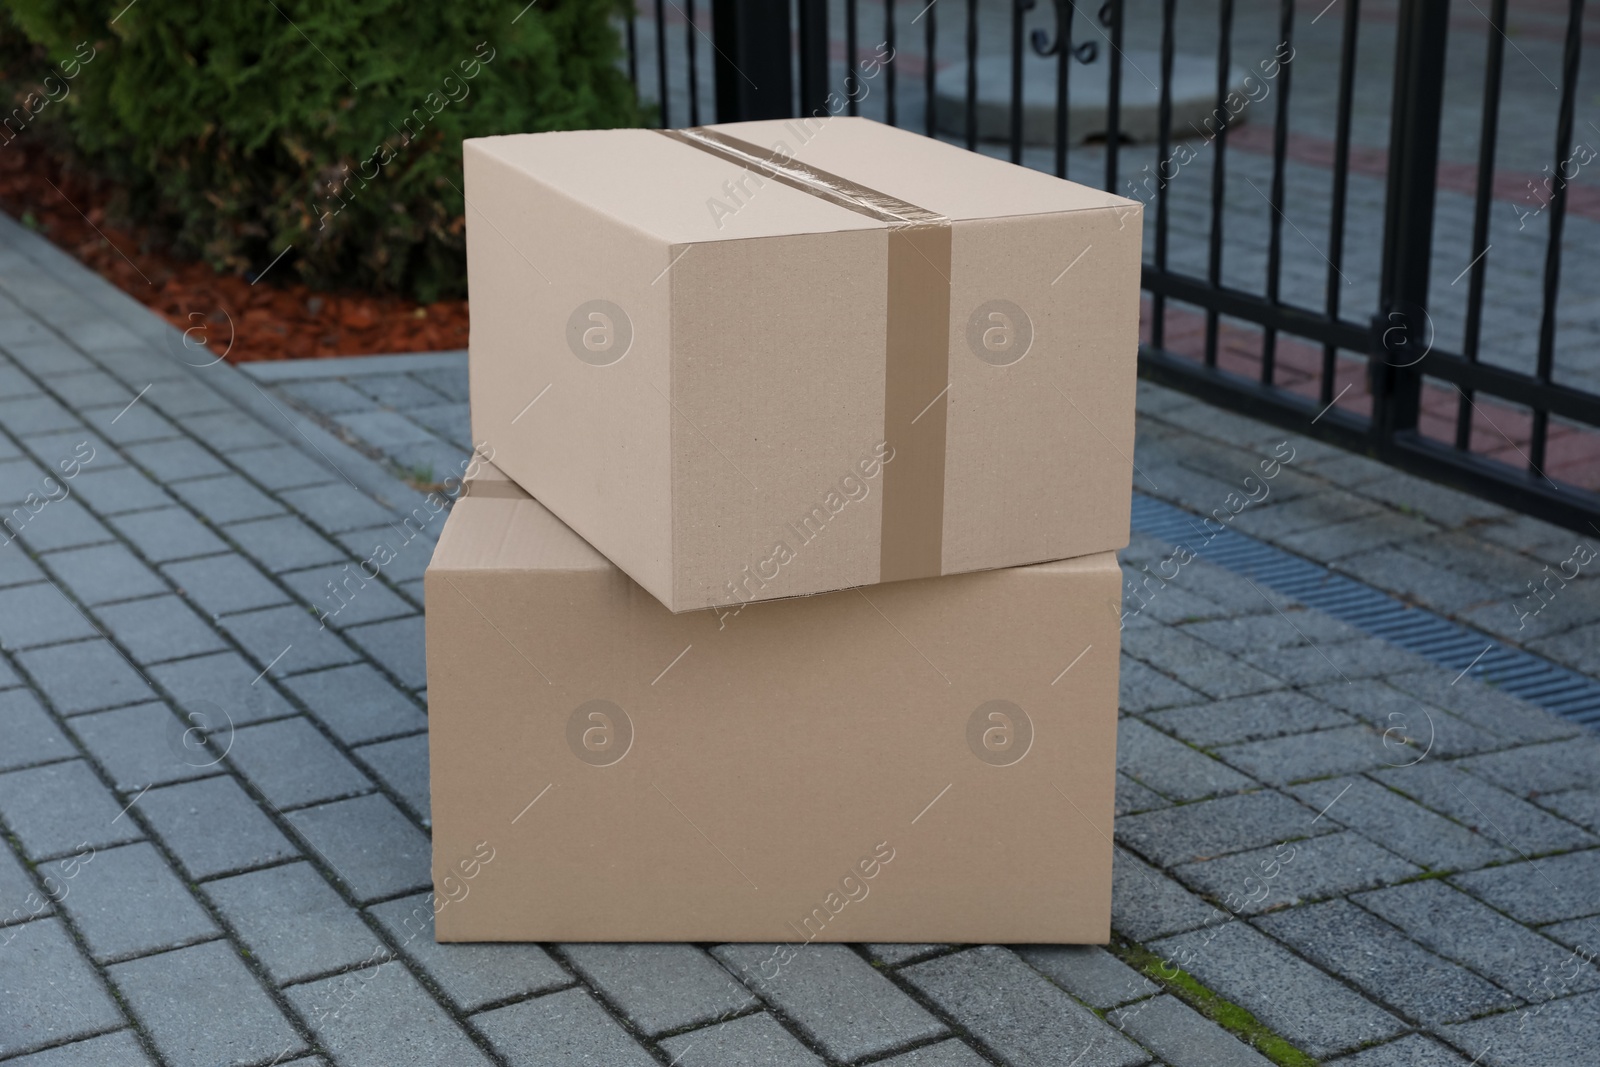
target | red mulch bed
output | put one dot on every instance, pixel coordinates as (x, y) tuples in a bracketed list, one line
[(273, 319)]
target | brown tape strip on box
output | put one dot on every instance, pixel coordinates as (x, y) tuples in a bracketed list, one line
[(916, 347)]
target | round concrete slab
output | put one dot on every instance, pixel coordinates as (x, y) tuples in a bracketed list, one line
[(1194, 96)]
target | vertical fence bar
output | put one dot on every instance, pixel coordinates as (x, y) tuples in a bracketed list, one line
[(1017, 8), (852, 81), (889, 68), (1488, 138), (633, 48), (1158, 303), (1065, 9), (1341, 184), (1219, 170), (972, 75), (694, 68), (931, 14), (748, 39), (1398, 330), (661, 58), (813, 57), (1113, 9), (1280, 152), (1558, 218)]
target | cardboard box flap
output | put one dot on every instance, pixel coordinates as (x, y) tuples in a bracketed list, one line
[(941, 177), (507, 533), (663, 188)]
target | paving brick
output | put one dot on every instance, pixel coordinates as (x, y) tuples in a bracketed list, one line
[(1390, 968), (294, 923), (1563, 1031), (1143, 688), (285, 543), (336, 508), (20, 478), (1399, 825), (212, 826), (1089, 973), (126, 902), (896, 955), (1250, 718), (293, 765), (22, 416), (1548, 768), (1581, 806), (344, 596), (160, 628), (227, 498), (950, 1053), (1347, 662), (84, 676), (20, 898), (1316, 1013), (120, 1049), (327, 396), (1493, 812), (398, 391), (1342, 750), (381, 1017), (369, 844), (54, 809), (51, 994), (1545, 890), (1256, 633), (1456, 926), (1405, 719), (1183, 1037), (266, 634), (1172, 767), (473, 976), (1215, 827), (64, 524), (1146, 904), (141, 745), (1577, 934), (1310, 869), (569, 1029), (752, 1039), (33, 615), (660, 987), (1016, 1013), (46, 354), (175, 459), (1132, 797), (1578, 649), (1413, 1050), (225, 430), (128, 426), (222, 682), (1196, 664), (103, 573), (222, 585), (356, 703), (280, 467), (402, 765), (398, 646), (90, 389), (201, 1006), (407, 555), (31, 736), (15, 566), (120, 490), (1485, 707), (168, 534), (836, 999), (184, 397)]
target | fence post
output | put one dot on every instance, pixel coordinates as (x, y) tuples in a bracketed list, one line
[(1402, 330), (813, 57), (755, 74)]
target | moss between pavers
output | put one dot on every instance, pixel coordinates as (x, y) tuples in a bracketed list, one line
[(1226, 1014)]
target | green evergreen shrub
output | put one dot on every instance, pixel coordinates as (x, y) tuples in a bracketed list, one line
[(333, 126)]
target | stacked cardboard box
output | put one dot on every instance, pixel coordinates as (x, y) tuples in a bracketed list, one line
[(787, 610)]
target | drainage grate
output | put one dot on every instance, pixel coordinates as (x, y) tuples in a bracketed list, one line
[(1449, 644)]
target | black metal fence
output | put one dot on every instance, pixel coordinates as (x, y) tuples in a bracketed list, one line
[(1460, 385)]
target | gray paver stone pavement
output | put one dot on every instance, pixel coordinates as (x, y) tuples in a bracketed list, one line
[(265, 894)]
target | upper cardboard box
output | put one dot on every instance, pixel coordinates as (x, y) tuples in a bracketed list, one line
[(768, 359)]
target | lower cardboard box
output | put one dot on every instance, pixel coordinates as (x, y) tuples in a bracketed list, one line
[(920, 761)]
